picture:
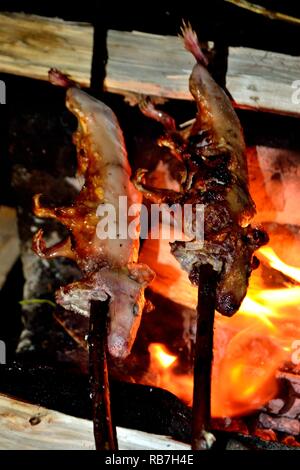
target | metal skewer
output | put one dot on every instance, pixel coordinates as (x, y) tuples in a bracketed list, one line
[(202, 439), (104, 429)]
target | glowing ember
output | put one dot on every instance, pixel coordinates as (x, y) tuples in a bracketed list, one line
[(163, 365), (248, 348), (159, 351), (245, 378), (276, 263)]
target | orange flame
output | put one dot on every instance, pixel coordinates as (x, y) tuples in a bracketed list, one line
[(248, 348), (276, 263), (164, 364), (158, 351)]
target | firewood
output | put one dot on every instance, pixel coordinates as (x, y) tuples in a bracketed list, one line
[(136, 406), (142, 63), (25, 426)]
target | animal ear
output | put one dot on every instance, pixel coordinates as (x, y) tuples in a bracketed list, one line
[(141, 273)]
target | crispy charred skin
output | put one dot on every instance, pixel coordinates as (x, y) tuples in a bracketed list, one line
[(212, 153), (109, 266)]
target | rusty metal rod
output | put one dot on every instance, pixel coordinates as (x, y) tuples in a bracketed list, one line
[(104, 429), (202, 439)]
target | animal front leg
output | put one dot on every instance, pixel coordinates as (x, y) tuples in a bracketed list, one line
[(154, 195), (149, 110), (78, 295), (173, 139), (65, 215)]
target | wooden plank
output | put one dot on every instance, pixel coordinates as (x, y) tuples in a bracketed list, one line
[(159, 66), (263, 80), (141, 63), (148, 64), (9, 241), (30, 45), (24, 426)]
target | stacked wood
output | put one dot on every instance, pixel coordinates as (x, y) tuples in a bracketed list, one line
[(142, 63), (37, 426), (25, 426)]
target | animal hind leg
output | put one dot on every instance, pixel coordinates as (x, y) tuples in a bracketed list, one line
[(63, 248)]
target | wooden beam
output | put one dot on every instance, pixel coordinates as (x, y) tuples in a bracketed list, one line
[(30, 45), (24, 426), (9, 241), (159, 66), (262, 80), (148, 64), (141, 63)]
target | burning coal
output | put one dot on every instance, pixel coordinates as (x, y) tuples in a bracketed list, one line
[(249, 348)]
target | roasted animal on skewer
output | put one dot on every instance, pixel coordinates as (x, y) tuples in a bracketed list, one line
[(109, 266), (212, 163)]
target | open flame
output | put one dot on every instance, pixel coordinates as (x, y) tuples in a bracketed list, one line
[(165, 364), (248, 348), (159, 353), (276, 263)]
